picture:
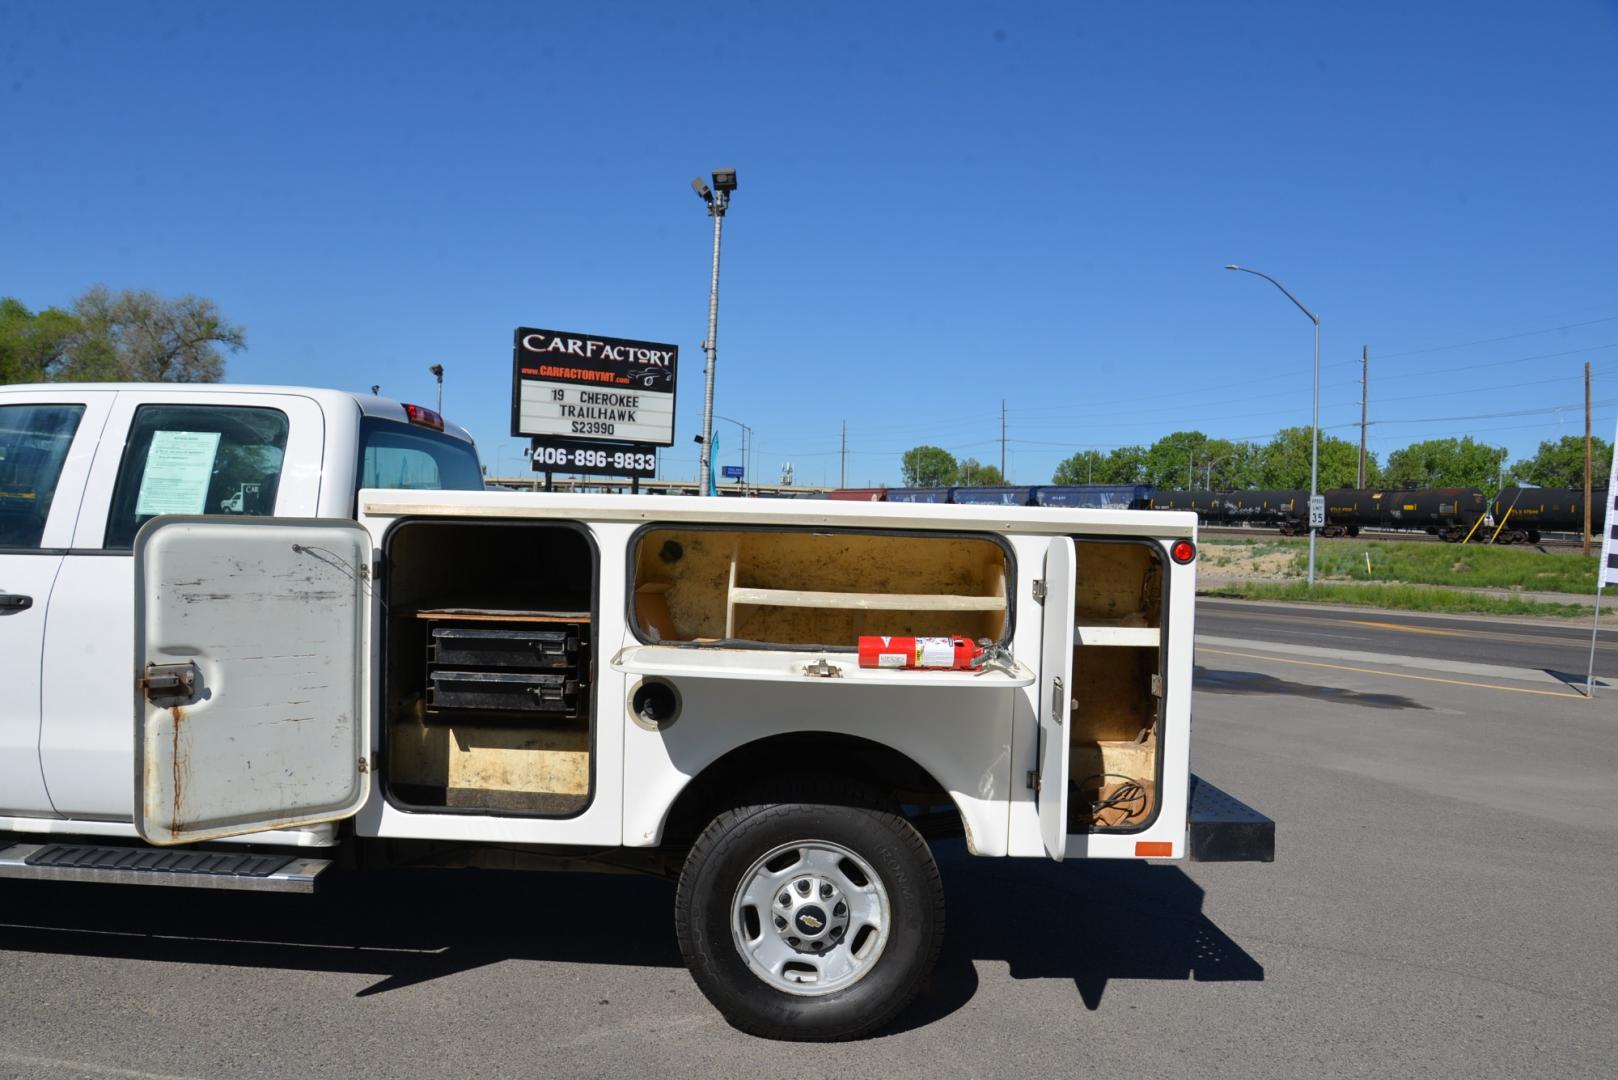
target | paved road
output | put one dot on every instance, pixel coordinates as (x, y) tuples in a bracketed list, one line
[(1442, 906), (1555, 645)]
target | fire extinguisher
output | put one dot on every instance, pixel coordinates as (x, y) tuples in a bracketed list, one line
[(939, 653)]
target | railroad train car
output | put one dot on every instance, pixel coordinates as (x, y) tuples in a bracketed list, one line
[(1521, 514), (1516, 515), (1095, 496), (919, 495), (1451, 514), (992, 496)]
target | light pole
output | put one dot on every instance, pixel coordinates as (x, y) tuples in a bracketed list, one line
[(1314, 441), (438, 373), (718, 200), (747, 448)]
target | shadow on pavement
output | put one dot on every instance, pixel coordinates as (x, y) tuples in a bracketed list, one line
[(1088, 922), (1212, 681)]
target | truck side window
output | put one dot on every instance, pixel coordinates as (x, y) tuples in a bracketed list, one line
[(394, 455), (33, 445), (196, 459)]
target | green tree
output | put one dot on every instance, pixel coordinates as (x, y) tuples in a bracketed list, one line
[(1081, 468), (929, 466), (972, 471), (1124, 465), (1560, 464), (1173, 460), (34, 347), (1286, 461), (135, 335), (1433, 463)]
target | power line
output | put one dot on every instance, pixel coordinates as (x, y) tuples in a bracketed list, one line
[(1496, 340)]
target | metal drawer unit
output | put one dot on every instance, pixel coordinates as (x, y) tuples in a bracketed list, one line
[(524, 649), (502, 691), (513, 668)]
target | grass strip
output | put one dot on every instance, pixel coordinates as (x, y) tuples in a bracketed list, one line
[(1469, 566), (1395, 597)]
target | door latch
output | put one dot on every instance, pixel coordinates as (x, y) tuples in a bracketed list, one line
[(823, 669), (1039, 591), (1058, 700), (176, 681)]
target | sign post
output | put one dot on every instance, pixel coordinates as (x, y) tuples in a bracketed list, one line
[(1607, 568), (592, 405)]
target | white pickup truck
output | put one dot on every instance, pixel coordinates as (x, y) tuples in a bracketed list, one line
[(242, 628)]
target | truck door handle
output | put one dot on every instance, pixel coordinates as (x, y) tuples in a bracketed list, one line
[(10, 602)]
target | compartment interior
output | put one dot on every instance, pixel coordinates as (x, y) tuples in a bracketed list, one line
[(804, 588), (1114, 725), (489, 666)]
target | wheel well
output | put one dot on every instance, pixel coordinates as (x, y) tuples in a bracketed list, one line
[(910, 787)]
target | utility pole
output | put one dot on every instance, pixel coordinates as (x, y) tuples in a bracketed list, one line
[(1365, 382), (1587, 457), (1003, 478), (842, 468)]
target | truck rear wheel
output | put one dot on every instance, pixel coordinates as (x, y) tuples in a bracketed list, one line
[(816, 917)]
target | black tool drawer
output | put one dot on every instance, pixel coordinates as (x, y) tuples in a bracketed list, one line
[(501, 691), (525, 649)]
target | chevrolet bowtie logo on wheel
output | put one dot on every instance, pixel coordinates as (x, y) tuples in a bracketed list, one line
[(810, 921)]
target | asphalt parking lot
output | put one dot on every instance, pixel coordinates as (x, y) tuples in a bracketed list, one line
[(1442, 905)]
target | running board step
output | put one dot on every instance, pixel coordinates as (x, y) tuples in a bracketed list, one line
[(118, 865)]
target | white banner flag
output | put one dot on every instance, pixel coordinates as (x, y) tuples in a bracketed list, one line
[(1609, 539)]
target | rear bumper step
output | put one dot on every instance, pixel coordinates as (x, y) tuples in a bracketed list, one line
[(1222, 828), (126, 865)]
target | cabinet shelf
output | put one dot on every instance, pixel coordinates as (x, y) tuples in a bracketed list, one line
[(1136, 636), (775, 665)]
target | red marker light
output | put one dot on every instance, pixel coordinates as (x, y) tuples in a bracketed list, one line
[(1183, 551), (424, 417)]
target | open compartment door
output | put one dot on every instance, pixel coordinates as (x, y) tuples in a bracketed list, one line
[(252, 696), (1055, 694)]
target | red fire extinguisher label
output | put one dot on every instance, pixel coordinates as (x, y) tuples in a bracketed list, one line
[(935, 652)]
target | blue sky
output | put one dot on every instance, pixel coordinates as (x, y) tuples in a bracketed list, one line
[(941, 206)]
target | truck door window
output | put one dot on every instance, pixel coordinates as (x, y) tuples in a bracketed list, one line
[(196, 459), (33, 445)]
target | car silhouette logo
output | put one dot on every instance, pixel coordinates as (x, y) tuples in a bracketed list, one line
[(648, 377)]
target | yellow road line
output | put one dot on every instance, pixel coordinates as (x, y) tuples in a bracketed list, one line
[(1578, 637), (1411, 629), (1396, 674)]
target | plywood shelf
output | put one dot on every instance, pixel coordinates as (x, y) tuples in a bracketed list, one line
[(857, 601), (497, 615)]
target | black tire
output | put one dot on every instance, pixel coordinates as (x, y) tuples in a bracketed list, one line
[(835, 812)]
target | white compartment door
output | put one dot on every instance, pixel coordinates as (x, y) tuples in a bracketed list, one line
[(252, 694), (1055, 692)]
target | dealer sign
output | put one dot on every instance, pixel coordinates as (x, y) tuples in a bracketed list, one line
[(587, 387)]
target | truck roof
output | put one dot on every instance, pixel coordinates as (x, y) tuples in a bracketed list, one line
[(826, 512), (368, 404)]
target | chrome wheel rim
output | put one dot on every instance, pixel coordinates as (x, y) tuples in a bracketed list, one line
[(810, 918)]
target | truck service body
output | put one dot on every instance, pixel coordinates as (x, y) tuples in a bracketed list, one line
[(279, 621)]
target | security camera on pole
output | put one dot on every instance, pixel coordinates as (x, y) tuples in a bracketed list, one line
[(718, 200)]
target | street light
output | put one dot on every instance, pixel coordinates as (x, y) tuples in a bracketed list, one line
[(718, 201), (1314, 447), (438, 373), (747, 447)]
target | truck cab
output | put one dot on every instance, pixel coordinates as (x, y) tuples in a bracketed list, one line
[(82, 467)]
